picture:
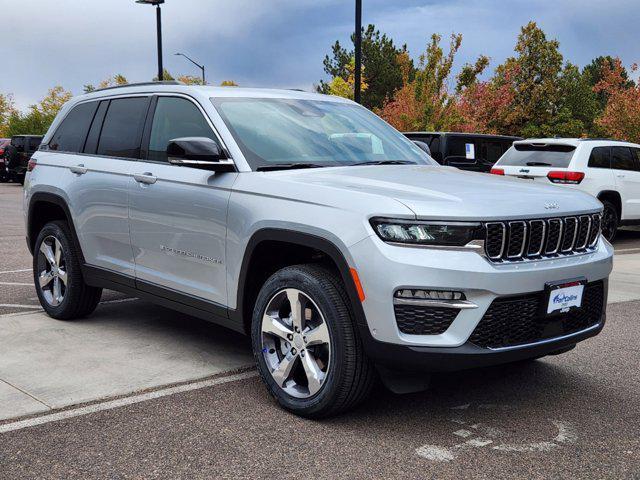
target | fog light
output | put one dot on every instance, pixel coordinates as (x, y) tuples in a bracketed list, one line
[(429, 294)]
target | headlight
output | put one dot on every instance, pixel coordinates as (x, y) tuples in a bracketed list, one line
[(437, 233)]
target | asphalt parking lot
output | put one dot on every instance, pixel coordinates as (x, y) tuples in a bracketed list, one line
[(138, 391)]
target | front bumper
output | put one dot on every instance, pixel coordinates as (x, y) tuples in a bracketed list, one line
[(384, 268), (437, 359)]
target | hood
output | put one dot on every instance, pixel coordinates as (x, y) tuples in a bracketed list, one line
[(449, 193)]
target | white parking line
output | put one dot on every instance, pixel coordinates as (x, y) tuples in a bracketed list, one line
[(19, 284), (11, 305), (16, 271), (121, 402)]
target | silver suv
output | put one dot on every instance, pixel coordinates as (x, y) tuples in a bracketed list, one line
[(310, 224)]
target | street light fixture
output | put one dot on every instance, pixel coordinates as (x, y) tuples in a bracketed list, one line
[(157, 4), (201, 67)]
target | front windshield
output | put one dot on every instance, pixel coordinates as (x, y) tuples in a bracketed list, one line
[(323, 133)]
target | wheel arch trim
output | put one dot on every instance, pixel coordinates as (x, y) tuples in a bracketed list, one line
[(316, 242), (52, 198)]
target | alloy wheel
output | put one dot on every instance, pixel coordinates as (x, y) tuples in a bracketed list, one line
[(296, 344), (52, 277)]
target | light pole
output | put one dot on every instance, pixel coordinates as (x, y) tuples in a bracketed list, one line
[(201, 67), (358, 46), (157, 4)]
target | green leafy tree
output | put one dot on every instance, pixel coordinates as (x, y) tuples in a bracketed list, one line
[(6, 110), (595, 72), (379, 60), (38, 118), (228, 83)]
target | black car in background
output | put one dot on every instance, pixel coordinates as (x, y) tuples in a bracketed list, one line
[(4, 143), (17, 155), (467, 151)]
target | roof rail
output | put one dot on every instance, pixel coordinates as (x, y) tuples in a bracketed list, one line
[(596, 139), (141, 84)]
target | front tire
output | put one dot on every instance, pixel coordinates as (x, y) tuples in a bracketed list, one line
[(306, 343), (610, 221), (61, 289)]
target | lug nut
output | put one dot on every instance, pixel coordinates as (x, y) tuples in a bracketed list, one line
[(293, 351), (302, 353), (290, 337)]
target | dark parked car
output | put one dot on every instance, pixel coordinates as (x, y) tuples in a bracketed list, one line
[(18, 154), (467, 151), (4, 143)]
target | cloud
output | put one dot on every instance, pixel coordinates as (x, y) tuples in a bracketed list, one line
[(277, 43)]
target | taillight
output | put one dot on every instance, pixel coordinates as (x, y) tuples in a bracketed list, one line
[(31, 165), (565, 177), (497, 171), (1, 151)]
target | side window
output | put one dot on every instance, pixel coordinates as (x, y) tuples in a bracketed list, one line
[(122, 127), (34, 143), (600, 157), (175, 118), (434, 145), (636, 154), (72, 132), (622, 159), (91, 144)]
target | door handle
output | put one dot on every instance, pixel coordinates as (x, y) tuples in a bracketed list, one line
[(78, 169), (146, 178)]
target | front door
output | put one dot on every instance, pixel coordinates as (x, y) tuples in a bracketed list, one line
[(178, 215)]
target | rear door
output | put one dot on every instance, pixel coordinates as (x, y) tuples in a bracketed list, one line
[(178, 214), (534, 161), (625, 162), (98, 160)]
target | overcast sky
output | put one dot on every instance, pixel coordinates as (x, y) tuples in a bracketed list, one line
[(277, 43)]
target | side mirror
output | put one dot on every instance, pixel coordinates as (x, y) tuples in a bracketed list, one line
[(198, 152), (423, 146)]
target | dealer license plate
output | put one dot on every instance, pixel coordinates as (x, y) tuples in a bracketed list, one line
[(564, 296)]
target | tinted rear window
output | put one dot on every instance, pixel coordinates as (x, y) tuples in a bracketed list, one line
[(34, 143), (122, 128), (72, 132), (543, 155)]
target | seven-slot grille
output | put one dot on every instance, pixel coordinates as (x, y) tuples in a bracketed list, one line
[(530, 239)]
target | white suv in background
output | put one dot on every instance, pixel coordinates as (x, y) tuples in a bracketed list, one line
[(607, 169)]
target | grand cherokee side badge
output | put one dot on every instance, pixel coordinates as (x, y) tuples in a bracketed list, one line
[(184, 253)]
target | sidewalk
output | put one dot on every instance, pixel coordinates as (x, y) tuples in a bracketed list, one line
[(123, 348)]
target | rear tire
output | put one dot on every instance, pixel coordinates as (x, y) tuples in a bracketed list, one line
[(346, 374), (610, 220), (61, 289)]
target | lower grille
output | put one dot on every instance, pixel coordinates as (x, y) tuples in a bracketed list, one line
[(513, 321), (422, 320)]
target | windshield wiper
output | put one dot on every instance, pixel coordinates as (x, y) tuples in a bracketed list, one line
[(538, 164), (287, 166), (385, 162)]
